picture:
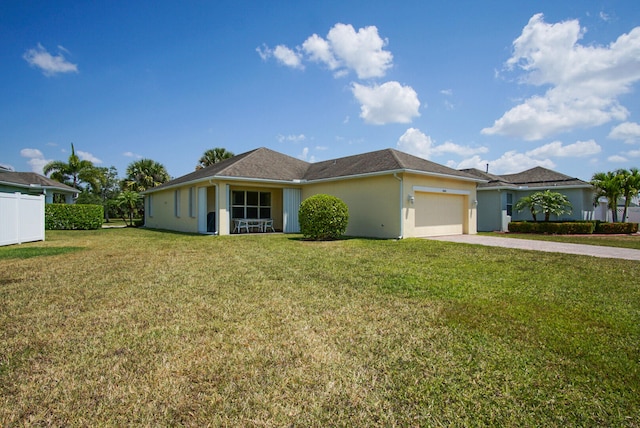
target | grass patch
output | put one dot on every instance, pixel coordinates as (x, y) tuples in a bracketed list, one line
[(29, 251), (151, 328), (622, 241)]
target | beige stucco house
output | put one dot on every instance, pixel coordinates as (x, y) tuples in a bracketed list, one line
[(390, 194)]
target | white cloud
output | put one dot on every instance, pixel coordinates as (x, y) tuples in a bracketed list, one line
[(417, 143), (88, 156), (343, 50), (361, 51), (629, 132), (509, 163), (387, 103), (49, 64), (447, 92), (305, 156), (36, 159), (585, 81), (132, 155), (319, 50), (288, 57), (633, 153), (617, 159), (283, 55), (556, 149), (292, 138)]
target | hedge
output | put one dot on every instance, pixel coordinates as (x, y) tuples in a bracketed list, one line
[(557, 228), (573, 227), (622, 228), (73, 216)]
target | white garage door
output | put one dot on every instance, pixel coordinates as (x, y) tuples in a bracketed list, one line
[(439, 214)]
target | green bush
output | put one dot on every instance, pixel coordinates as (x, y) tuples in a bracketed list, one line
[(323, 217), (551, 227), (615, 228), (73, 216)]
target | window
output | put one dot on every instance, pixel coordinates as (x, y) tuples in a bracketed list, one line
[(192, 201), (247, 204), (509, 203), (176, 203), (150, 205)]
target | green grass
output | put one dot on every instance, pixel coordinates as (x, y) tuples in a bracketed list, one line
[(154, 329), (622, 241)]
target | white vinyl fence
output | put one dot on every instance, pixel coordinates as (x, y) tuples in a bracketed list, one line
[(21, 218)]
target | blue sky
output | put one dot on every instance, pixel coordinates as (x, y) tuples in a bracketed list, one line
[(512, 84)]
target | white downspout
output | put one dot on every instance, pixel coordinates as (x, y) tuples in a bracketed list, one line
[(395, 174)]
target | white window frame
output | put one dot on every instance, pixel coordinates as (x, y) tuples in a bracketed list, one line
[(176, 202), (192, 202)]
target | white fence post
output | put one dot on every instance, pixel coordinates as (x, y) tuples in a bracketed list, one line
[(21, 218)]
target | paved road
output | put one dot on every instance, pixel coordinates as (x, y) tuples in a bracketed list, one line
[(552, 247)]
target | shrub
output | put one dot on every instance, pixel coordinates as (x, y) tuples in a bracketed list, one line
[(622, 228), (557, 228), (73, 216), (323, 217)]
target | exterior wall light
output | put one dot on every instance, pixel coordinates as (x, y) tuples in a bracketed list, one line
[(412, 199)]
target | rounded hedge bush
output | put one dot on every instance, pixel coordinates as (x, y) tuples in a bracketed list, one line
[(323, 217)]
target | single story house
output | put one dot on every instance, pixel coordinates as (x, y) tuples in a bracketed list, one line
[(499, 193), (390, 194), (31, 183)]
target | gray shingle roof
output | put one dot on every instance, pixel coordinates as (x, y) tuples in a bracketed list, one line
[(32, 179), (261, 164), (378, 161), (537, 177), (266, 164)]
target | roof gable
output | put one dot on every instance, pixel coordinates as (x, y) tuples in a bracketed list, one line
[(535, 177), (259, 164), (32, 179)]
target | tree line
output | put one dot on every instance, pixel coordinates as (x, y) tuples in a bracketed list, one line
[(120, 197)]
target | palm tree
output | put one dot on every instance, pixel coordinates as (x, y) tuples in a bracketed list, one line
[(128, 202), (609, 185), (145, 174), (74, 171), (630, 186), (213, 156), (530, 203), (553, 203)]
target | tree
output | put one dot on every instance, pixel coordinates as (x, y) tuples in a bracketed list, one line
[(553, 203), (630, 187), (546, 202), (128, 202), (530, 203), (73, 172), (109, 190), (145, 174), (213, 156), (609, 185)]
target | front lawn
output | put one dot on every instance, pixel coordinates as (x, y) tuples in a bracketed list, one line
[(622, 241), (130, 327)]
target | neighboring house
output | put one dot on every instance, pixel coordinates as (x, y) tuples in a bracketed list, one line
[(390, 194), (31, 183), (497, 196), (22, 201), (603, 213)]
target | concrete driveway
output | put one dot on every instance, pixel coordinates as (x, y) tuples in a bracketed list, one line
[(551, 247)]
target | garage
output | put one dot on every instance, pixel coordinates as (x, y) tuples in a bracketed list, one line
[(439, 213)]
